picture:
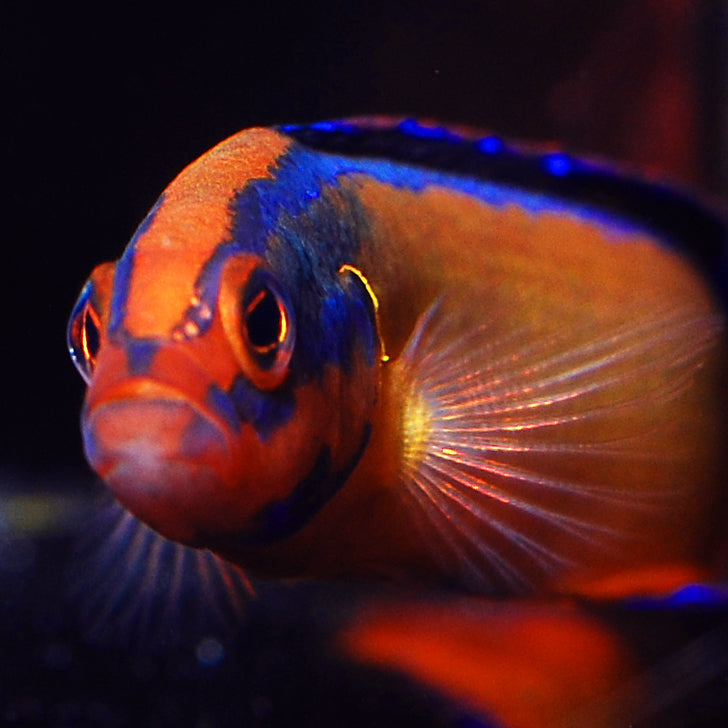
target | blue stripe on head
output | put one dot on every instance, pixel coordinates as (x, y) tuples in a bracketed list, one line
[(124, 270), (306, 226)]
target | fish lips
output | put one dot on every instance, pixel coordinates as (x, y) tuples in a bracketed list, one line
[(163, 457)]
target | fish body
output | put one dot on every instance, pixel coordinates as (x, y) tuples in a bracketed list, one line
[(374, 348)]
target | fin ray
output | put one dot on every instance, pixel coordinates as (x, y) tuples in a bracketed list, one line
[(502, 430)]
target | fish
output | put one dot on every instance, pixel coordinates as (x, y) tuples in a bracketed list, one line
[(390, 349)]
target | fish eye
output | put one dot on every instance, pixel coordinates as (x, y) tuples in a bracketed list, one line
[(266, 330), (84, 335), (265, 322), (258, 320)]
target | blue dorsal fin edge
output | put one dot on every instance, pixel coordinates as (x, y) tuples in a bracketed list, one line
[(694, 228)]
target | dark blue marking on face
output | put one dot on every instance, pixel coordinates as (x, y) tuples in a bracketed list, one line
[(281, 519), (254, 216), (124, 270), (219, 403), (265, 411), (244, 404), (140, 354)]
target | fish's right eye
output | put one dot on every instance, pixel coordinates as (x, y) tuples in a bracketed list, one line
[(84, 334)]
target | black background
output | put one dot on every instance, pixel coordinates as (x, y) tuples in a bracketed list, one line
[(102, 107)]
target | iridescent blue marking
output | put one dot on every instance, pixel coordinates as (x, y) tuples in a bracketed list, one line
[(491, 145), (692, 595), (334, 126), (557, 164), (414, 128), (304, 170)]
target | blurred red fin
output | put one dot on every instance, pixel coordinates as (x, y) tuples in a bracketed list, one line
[(524, 665)]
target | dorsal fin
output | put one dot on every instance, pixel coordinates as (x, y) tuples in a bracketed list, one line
[(694, 228)]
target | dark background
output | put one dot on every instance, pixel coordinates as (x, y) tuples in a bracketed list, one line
[(102, 107)]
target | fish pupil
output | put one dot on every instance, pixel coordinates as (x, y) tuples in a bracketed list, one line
[(264, 321)]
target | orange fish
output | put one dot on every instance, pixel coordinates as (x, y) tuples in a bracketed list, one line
[(389, 349)]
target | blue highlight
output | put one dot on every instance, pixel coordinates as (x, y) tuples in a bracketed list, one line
[(692, 595), (558, 164), (334, 126), (416, 179), (491, 145), (700, 594), (414, 128)]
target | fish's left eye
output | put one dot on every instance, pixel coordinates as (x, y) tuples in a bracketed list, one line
[(258, 320), (266, 330), (84, 334), (265, 322)]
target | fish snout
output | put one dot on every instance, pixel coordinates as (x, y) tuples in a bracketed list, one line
[(162, 457)]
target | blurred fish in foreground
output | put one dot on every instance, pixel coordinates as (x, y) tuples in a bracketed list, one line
[(560, 664)]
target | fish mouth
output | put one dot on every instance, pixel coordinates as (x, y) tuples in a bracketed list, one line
[(161, 455)]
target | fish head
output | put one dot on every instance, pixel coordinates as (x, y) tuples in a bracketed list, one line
[(229, 387)]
